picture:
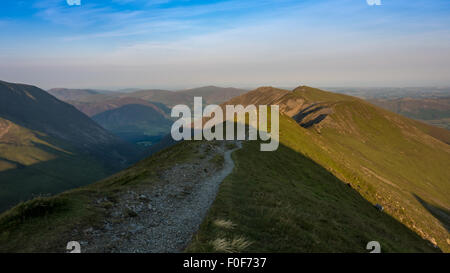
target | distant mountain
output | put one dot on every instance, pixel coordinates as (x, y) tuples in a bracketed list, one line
[(71, 94), (434, 111), (132, 119), (138, 123), (213, 94), (168, 98), (47, 145), (128, 90), (95, 107), (143, 116), (391, 93), (210, 94), (97, 98)]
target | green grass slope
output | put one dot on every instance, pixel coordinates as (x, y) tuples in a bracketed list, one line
[(397, 162), (283, 201), (392, 160)]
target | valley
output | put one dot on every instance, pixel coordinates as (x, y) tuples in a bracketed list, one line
[(143, 116), (47, 146)]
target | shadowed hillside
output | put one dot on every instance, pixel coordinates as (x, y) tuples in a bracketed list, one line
[(47, 146), (136, 123)]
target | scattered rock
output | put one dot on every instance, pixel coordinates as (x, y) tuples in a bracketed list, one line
[(130, 213), (379, 207), (433, 241), (88, 230)]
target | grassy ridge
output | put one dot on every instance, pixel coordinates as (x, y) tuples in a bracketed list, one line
[(283, 201), (392, 160)]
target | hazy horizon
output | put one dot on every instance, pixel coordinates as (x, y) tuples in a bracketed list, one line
[(175, 89), (244, 44)]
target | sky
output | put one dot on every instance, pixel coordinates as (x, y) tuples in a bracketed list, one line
[(177, 44)]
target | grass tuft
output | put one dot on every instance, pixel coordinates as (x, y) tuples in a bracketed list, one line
[(235, 245), (226, 224)]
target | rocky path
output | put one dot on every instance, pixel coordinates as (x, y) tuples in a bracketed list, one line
[(165, 218)]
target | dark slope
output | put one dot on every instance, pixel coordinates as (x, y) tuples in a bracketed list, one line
[(34, 109), (47, 145), (135, 122)]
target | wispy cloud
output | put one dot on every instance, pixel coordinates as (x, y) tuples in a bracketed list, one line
[(234, 41), (73, 2), (89, 15)]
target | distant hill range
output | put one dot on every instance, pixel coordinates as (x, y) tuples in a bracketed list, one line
[(71, 94), (428, 104), (435, 111), (143, 116), (210, 94), (47, 145)]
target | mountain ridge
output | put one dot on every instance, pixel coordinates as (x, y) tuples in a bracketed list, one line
[(43, 134)]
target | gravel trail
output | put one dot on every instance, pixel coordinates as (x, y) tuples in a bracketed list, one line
[(163, 219)]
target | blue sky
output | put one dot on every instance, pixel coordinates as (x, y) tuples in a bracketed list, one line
[(182, 43)]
